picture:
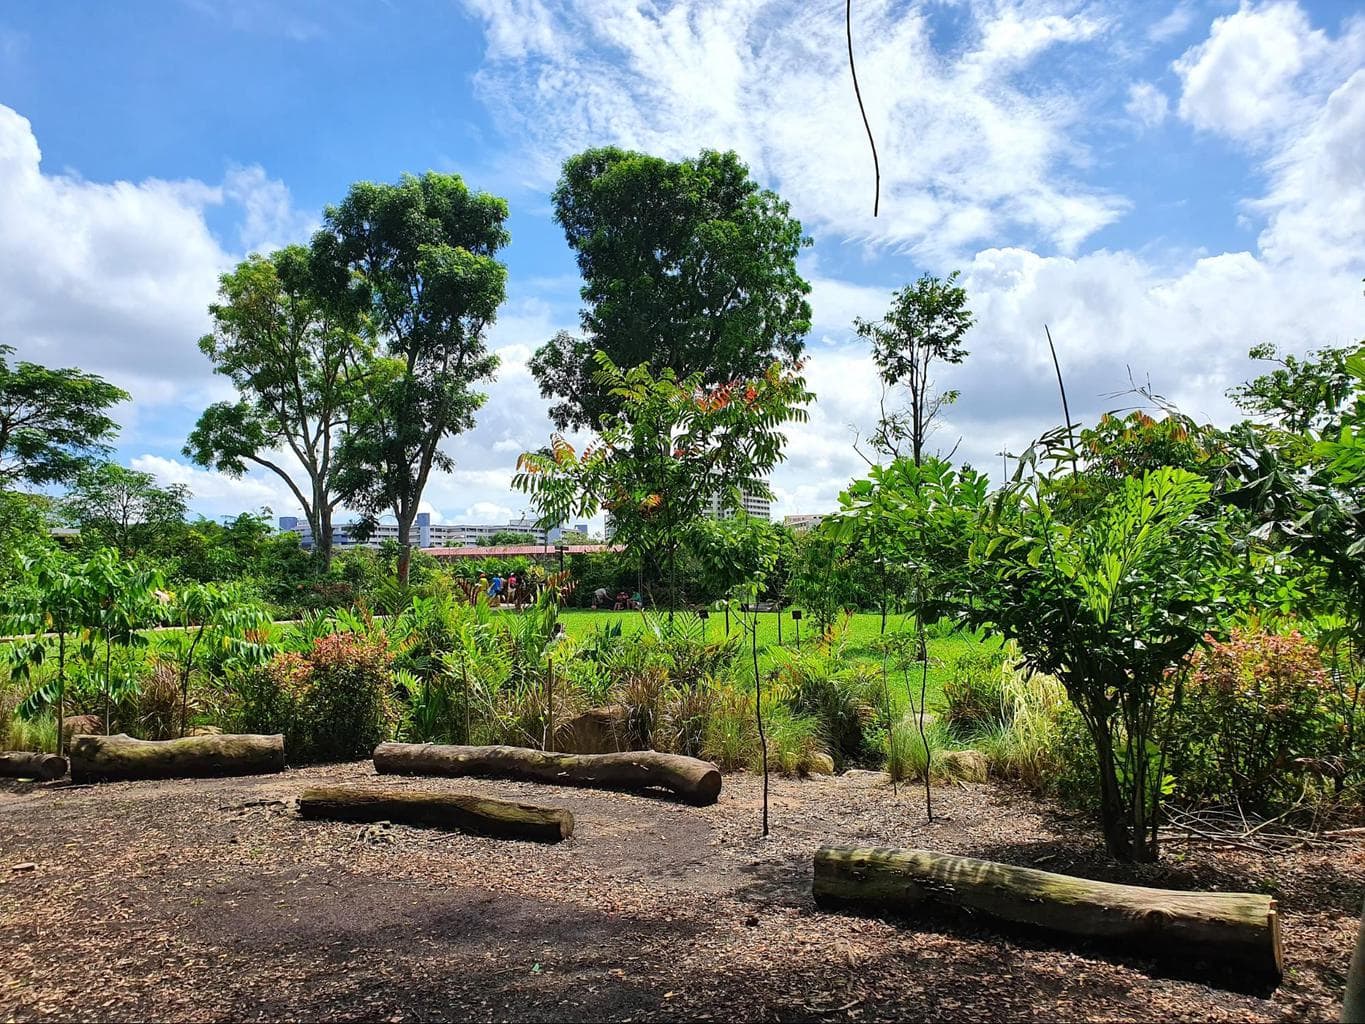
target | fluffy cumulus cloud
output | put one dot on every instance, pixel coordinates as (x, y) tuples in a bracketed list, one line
[(115, 277)]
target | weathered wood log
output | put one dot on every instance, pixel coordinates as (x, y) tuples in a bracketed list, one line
[(1241, 929), (696, 781), (24, 764), (482, 816), (112, 758)]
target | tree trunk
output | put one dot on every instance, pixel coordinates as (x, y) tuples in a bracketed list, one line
[(697, 782), (1241, 929), (112, 758), (459, 812), (322, 534), (21, 764)]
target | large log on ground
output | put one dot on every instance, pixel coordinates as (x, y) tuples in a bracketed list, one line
[(697, 782), (1235, 928), (23, 764), (500, 819), (111, 758)]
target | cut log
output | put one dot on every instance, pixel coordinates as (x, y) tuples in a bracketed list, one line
[(112, 758), (696, 781), (1236, 928), (24, 764), (500, 819)]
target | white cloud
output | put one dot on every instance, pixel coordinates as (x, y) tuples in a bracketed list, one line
[(1180, 18), (116, 277), (1147, 105), (1258, 70), (966, 152)]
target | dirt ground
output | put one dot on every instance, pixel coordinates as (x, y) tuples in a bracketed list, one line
[(211, 900)]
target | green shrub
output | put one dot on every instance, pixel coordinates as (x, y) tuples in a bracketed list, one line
[(156, 704), (331, 704), (1254, 707), (37, 734), (345, 706), (819, 685), (975, 692)]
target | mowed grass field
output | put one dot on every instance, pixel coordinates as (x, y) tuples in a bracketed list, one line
[(863, 631)]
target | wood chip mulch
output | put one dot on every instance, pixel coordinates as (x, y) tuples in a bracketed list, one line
[(206, 900)]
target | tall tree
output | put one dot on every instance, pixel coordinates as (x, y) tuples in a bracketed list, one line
[(925, 325), (420, 258), (688, 266), (125, 508), (296, 360), (52, 422)]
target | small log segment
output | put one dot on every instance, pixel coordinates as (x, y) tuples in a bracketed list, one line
[(113, 758), (460, 812), (23, 764), (1235, 928), (696, 781)]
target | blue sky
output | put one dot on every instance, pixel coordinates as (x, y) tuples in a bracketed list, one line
[(1166, 183)]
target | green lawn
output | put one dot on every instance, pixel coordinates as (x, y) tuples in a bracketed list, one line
[(864, 629)]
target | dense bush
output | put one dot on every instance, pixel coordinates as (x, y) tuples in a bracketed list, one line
[(1255, 715), (975, 692), (331, 703)]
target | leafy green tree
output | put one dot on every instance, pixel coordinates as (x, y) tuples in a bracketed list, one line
[(670, 447), (56, 601), (125, 509), (919, 519), (297, 360), (736, 550), (1111, 603), (1304, 393), (504, 538), (121, 601), (687, 266), (53, 423), (217, 616), (420, 258), (926, 324)]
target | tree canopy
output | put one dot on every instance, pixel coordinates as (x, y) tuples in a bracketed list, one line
[(297, 361), (687, 266), (420, 258), (53, 423), (926, 324)]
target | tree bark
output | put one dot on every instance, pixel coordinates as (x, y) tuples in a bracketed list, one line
[(695, 781), (500, 819), (22, 764), (1241, 929), (113, 758)]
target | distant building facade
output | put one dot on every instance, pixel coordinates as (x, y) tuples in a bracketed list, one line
[(425, 533), (802, 522)]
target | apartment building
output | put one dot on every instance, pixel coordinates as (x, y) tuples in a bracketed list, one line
[(426, 534)]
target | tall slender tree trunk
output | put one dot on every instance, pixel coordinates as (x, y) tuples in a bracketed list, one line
[(322, 535), (405, 546)]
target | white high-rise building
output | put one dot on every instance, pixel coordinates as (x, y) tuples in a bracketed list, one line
[(425, 533)]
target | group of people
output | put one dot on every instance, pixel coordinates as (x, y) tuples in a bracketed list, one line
[(601, 598), (499, 590)]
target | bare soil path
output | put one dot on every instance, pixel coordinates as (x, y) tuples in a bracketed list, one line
[(210, 900)]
